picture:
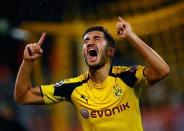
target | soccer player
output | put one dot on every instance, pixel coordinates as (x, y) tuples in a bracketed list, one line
[(106, 97)]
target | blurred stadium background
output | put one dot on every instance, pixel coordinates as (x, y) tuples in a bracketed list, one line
[(158, 22)]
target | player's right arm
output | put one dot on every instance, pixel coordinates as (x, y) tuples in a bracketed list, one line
[(24, 93)]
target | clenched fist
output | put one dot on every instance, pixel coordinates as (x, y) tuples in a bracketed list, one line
[(123, 28)]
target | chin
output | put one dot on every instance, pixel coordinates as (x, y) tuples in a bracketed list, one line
[(95, 65), (92, 65)]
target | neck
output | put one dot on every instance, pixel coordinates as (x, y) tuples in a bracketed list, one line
[(99, 75)]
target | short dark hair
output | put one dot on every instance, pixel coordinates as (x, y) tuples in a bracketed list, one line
[(108, 37)]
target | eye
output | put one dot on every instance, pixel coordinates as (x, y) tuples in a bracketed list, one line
[(86, 41), (97, 39)]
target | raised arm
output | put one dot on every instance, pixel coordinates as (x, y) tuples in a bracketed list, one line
[(156, 69), (24, 93)]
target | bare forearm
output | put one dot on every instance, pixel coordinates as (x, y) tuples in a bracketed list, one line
[(24, 93), (23, 82), (157, 68), (150, 56)]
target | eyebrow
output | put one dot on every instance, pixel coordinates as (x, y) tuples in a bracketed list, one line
[(86, 39), (96, 36)]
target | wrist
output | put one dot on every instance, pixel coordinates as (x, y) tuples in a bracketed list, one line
[(131, 36), (26, 61), (27, 66)]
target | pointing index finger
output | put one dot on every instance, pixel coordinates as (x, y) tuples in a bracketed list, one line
[(42, 38), (121, 19)]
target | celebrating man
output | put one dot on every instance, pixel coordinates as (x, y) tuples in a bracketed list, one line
[(106, 97)]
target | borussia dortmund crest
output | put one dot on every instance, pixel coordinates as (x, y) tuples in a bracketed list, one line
[(117, 90)]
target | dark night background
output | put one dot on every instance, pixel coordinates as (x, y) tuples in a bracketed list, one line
[(161, 105)]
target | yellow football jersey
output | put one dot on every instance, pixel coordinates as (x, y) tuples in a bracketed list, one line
[(109, 106)]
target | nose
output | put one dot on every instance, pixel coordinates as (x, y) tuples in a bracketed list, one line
[(91, 42)]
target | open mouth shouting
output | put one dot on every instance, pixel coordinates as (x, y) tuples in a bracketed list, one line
[(92, 53)]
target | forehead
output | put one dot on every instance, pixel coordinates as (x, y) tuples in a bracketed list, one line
[(93, 33)]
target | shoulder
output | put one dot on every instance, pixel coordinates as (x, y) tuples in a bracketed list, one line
[(129, 74), (65, 87), (74, 80), (120, 69)]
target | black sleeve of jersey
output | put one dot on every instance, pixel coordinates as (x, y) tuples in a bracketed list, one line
[(128, 76), (65, 90)]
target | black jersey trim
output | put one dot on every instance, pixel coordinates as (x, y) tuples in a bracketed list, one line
[(127, 76), (65, 90), (41, 91)]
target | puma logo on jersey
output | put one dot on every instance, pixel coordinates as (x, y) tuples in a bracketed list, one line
[(85, 97)]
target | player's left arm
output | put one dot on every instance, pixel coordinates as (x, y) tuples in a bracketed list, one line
[(157, 68)]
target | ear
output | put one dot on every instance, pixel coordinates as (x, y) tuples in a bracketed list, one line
[(111, 51)]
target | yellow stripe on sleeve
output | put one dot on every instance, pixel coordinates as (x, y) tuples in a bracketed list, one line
[(48, 94)]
